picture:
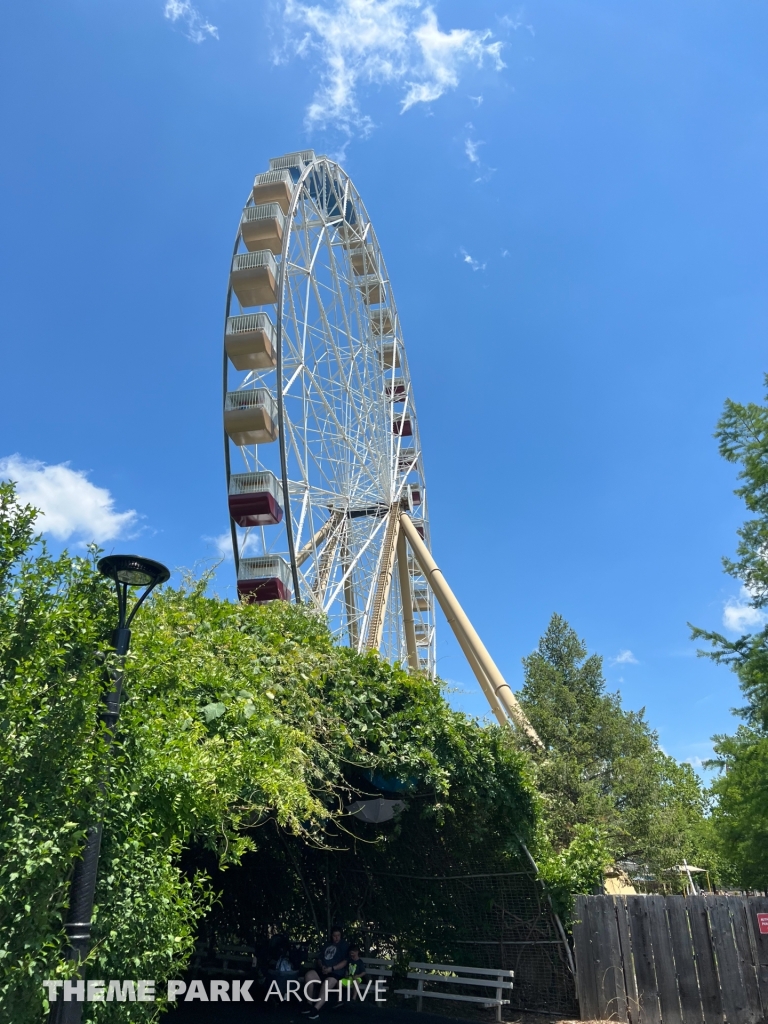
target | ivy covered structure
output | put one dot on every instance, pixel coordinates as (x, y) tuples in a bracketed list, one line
[(244, 738)]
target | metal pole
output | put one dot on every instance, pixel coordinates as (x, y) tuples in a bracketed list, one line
[(461, 625), (82, 890), (405, 594)]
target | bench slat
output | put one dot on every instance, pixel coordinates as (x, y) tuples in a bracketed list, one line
[(486, 1000), (455, 967), (486, 982)]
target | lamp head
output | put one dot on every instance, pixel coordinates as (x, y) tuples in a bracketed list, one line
[(133, 570)]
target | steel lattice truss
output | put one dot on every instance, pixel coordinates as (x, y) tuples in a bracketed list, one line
[(348, 446)]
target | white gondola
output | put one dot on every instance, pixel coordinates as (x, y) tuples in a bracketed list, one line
[(363, 259), (381, 323), (262, 227), (254, 278), (273, 187), (250, 416), (250, 341), (297, 159), (421, 601), (389, 355), (415, 496), (371, 288), (407, 459), (266, 578), (423, 634)]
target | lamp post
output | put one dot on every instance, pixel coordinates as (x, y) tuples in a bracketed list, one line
[(127, 571)]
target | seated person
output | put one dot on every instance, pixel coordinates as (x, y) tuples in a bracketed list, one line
[(331, 967), (355, 972)]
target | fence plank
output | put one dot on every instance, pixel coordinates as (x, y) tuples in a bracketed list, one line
[(741, 925), (585, 972), (666, 977), (610, 981), (685, 961), (650, 1012), (709, 986), (731, 983), (630, 982), (759, 905)]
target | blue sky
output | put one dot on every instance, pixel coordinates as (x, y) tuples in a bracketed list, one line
[(571, 199)]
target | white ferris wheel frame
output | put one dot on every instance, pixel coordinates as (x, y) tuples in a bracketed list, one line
[(344, 402)]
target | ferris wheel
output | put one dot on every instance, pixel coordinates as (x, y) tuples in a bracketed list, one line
[(321, 436)]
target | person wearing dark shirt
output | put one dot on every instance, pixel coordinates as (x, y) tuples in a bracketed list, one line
[(355, 972), (331, 968)]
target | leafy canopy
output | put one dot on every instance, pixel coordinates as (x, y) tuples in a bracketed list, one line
[(238, 723), (740, 791), (608, 787)]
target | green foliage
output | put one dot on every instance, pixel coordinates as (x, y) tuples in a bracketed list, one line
[(241, 727), (578, 868), (740, 791), (742, 435), (740, 811), (607, 784)]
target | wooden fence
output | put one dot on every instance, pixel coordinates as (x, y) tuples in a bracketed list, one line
[(671, 959)]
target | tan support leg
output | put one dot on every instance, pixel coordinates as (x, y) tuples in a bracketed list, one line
[(325, 559), (311, 547), (350, 604), (460, 624), (384, 582), (405, 595)]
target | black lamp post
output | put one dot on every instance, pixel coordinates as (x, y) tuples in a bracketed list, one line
[(127, 571)]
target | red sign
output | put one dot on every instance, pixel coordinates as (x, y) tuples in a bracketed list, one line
[(762, 923)]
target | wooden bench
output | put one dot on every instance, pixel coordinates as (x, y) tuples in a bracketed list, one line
[(233, 960), (452, 974), (378, 968)]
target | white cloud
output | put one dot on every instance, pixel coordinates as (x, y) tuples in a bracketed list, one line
[(223, 545), (475, 264), (477, 100), (470, 148), (383, 42), (624, 658), (196, 27), (70, 503), (739, 615), (505, 252)]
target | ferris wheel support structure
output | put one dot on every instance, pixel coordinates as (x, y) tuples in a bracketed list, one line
[(321, 516), (497, 690)]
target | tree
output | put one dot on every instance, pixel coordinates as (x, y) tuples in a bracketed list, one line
[(602, 773), (238, 722), (740, 813)]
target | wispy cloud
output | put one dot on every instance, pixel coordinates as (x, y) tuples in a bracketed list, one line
[(740, 616), (470, 148), (222, 544), (515, 21), (382, 42), (477, 100), (475, 264), (196, 27), (625, 658), (71, 505)]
